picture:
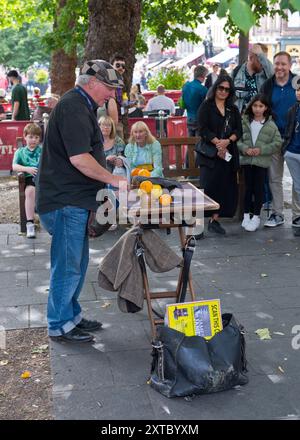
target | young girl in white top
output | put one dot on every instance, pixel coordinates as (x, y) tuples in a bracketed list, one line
[(261, 138)]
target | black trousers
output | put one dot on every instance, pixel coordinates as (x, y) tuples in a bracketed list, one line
[(254, 188)]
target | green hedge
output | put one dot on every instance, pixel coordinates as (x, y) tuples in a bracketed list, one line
[(172, 79)]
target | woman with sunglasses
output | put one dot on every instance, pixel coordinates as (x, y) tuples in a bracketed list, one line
[(220, 127)]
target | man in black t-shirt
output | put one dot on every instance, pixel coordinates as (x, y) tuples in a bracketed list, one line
[(71, 171)]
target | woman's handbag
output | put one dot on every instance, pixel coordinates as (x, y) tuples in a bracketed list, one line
[(186, 365), (206, 149)]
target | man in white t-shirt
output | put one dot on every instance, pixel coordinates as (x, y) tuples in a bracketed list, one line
[(161, 101)]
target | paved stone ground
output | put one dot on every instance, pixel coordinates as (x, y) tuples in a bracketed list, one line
[(107, 380)]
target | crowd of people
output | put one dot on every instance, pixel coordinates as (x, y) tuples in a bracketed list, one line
[(247, 120)]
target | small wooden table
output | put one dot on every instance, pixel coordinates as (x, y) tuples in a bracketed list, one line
[(167, 217)]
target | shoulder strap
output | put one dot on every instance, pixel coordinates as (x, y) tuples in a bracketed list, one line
[(235, 71), (188, 252)]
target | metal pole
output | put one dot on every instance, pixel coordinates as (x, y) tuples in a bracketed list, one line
[(45, 121), (161, 117)]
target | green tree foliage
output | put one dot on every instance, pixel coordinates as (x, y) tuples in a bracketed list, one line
[(20, 48), (14, 13), (41, 76), (172, 79), (167, 20), (172, 20)]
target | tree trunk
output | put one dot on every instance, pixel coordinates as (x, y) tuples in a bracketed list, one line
[(113, 27), (62, 71), (243, 47), (63, 64)]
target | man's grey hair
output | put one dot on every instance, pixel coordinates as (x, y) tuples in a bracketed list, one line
[(200, 72), (82, 80)]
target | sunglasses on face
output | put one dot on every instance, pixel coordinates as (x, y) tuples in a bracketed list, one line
[(224, 89), (118, 65)]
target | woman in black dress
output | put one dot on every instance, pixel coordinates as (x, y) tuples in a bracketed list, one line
[(220, 127)]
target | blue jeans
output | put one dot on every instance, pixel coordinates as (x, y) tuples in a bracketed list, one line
[(69, 262)]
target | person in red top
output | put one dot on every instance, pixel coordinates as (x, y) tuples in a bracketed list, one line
[(2, 101), (36, 93)]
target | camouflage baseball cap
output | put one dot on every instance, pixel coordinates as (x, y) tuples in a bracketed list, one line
[(104, 72)]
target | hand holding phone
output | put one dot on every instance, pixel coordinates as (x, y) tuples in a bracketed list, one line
[(228, 156)]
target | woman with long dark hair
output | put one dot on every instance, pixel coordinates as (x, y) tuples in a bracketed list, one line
[(220, 127)]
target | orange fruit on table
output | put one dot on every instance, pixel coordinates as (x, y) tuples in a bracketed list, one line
[(146, 186), (165, 200), (144, 173), (135, 172), (156, 191)]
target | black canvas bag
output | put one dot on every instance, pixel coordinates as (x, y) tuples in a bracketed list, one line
[(190, 365)]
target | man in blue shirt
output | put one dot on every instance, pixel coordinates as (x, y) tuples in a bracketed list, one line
[(193, 94), (281, 95), (291, 149)]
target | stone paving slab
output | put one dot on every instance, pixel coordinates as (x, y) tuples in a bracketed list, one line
[(9, 228), (42, 238), (18, 264), (14, 317), (127, 402), (82, 372), (275, 358), (275, 320), (3, 239), (260, 399), (17, 296), (13, 279), (108, 312), (39, 277), (18, 250), (38, 316)]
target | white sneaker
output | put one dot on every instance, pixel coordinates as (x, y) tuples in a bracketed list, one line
[(113, 227), (30, 228), (253, 224), (296, 222), (246, 220), (274, 220)]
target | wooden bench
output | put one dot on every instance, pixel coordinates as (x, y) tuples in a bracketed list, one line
[(179, 149)]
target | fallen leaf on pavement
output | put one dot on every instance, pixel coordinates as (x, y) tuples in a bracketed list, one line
[(105, 305), (40, 349), (263, 333), (26, 375), (281, 369), (263, 275), (2, 363)]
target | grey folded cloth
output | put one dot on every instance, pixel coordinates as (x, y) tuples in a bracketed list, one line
[(120, 271)]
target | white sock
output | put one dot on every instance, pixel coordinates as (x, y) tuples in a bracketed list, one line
[(256, 217), (246, 216)]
